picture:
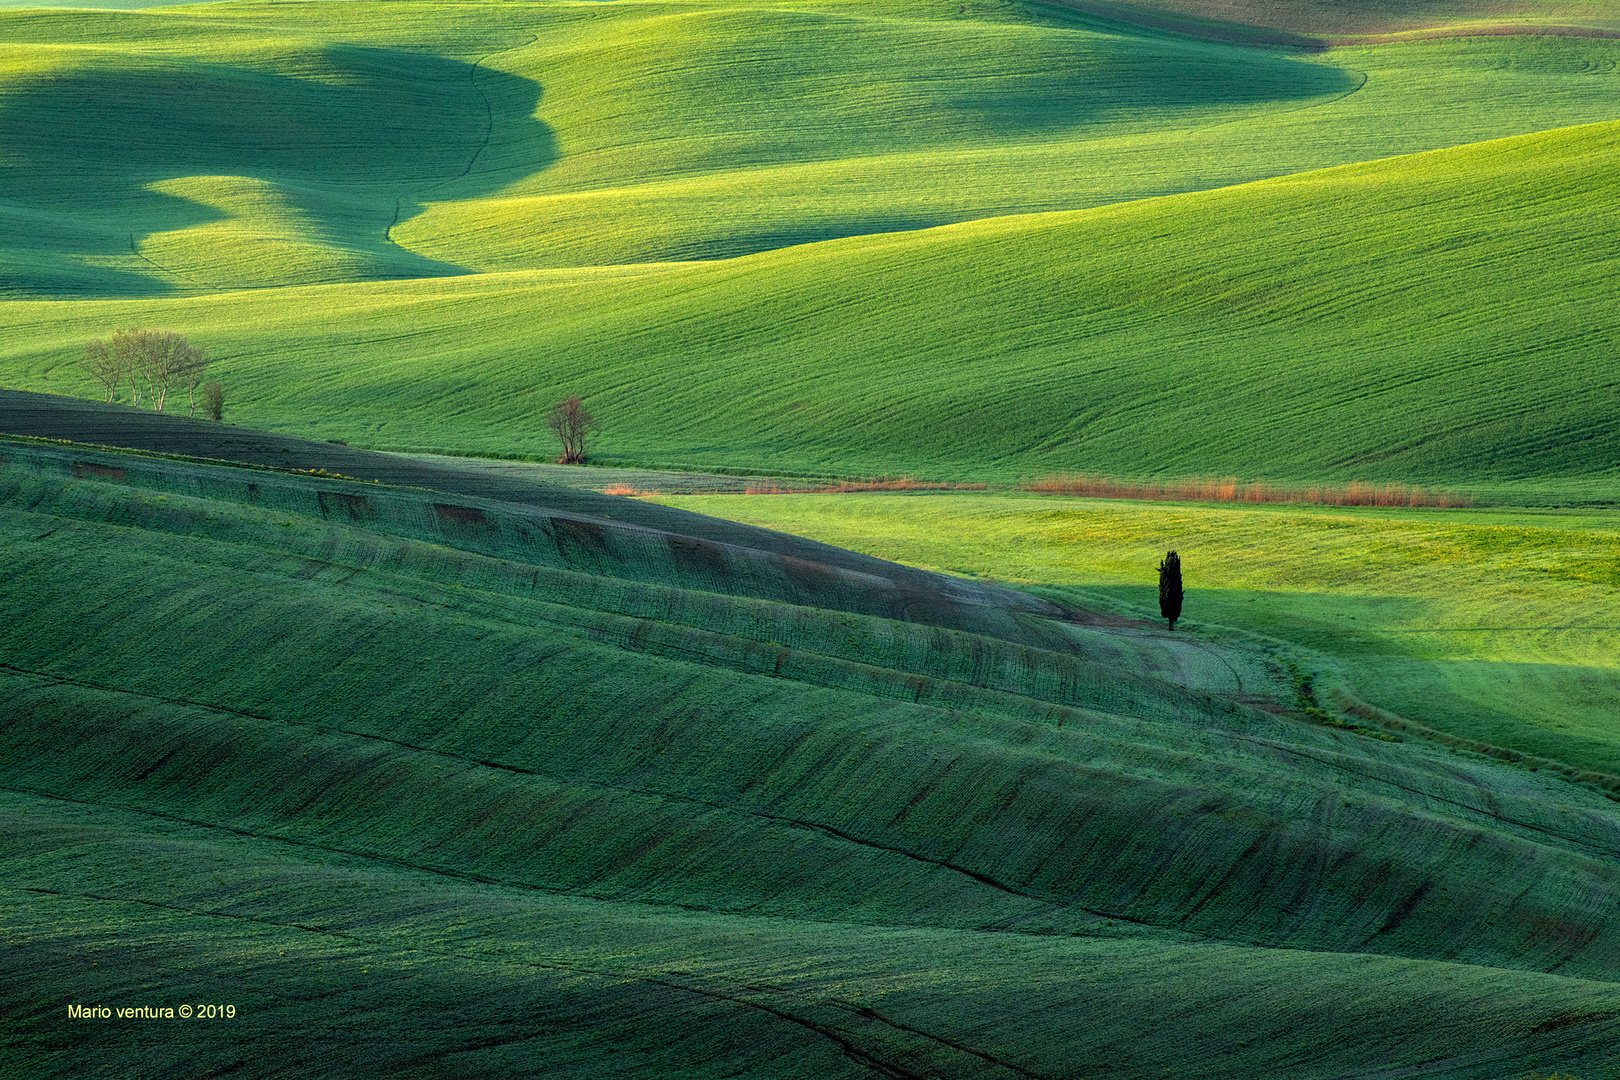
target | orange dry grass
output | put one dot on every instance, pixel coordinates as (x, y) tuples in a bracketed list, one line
[(903, 483), (1230, 489)]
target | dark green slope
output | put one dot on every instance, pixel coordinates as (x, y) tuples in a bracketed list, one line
[(44, 416), (444, 785)]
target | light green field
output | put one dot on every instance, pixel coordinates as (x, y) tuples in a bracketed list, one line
[(1499, 627), (1445, 321), (1439, 318), (354, 759)]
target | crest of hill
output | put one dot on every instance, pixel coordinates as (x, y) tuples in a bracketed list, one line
[(730, 557)]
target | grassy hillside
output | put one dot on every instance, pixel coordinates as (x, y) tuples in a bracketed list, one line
[(349, 757), (529, 179), (425, 769), (1498, 627), (432, 137), (1440, 318)]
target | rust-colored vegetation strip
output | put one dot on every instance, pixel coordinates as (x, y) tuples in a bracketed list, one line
[(774, 487), (901, 483), (1231, 489)]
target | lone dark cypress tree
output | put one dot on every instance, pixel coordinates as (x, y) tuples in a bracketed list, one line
[(1170, 588)]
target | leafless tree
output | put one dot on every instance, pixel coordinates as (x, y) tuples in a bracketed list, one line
[(193, 373), (101, 363), (570, 420), (213, 400), (160, 358)]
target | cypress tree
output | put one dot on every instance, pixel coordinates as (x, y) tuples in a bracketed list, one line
[(1170, 588)]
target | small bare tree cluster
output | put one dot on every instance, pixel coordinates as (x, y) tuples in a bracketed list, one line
[(101, 363), (570, 420), (162, 360), (213, 400)]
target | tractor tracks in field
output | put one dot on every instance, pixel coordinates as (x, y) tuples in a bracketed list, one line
[(489, 135), (600, 785), (1338, 762), (135, 250), (562, 781), (788, 1006), (1333, 761)]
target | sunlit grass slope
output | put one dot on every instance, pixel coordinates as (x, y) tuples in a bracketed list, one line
[(768, 129), (148, 152), (234, 145), (351, 757), (1308, 20), (1500, 627), (1440, 318)]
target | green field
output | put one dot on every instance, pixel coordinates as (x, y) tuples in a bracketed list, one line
[(1494, 626), (1073, 219), (435, 766), (356, 758)]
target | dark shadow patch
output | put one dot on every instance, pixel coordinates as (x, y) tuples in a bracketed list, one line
[(85, 469), (341, 504), (1558, 937), (811, 576), (460, 515), (85, 144), (574, 536), (697, 556), (1406, 909), (1569, 1019)]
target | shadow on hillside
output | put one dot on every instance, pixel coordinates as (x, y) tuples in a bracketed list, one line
[(1147, 81), (343, 146)]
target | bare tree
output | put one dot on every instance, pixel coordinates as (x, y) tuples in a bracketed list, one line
[(196, 364), (1170, 588), (105, 366), (123, 350), (213, 400), (160, 358), (570, 420)]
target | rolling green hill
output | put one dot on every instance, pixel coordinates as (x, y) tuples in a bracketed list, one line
[(435, 770), (1312, 21), (354, 758), (1495, 627), (557, 135), (1439, 317), (1319, 315)]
